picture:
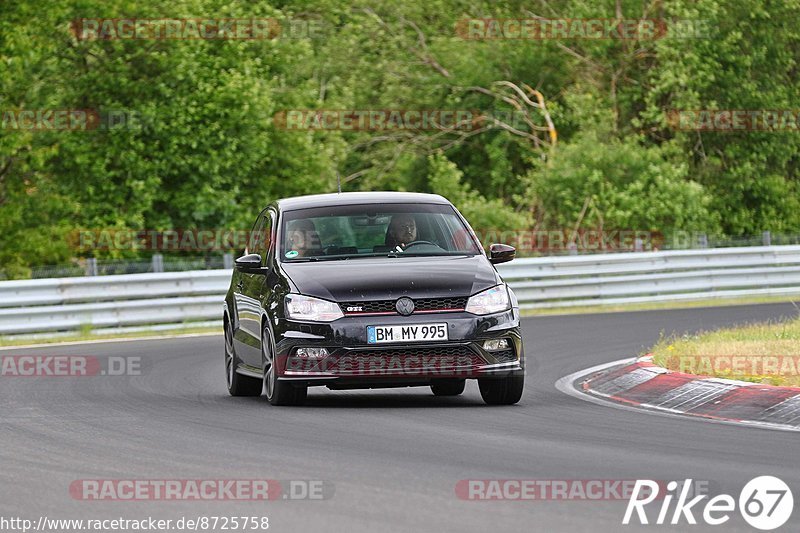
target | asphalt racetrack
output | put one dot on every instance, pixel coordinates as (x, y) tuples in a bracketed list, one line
[(390, 460)]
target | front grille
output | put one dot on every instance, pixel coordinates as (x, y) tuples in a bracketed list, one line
[(438, 304), (377, 306), (424, 351), (420, 305), (413, 361)]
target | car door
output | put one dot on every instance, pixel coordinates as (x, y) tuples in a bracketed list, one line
[(247, 291)]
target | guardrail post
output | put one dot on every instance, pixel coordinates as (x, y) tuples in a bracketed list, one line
[(766, 238), (158, 263), (227, 260), (91, 266), (702, 240)]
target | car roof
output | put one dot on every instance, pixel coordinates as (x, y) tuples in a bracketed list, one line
[(353, 198)]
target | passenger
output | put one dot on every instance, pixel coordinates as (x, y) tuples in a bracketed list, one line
[(303, 238)]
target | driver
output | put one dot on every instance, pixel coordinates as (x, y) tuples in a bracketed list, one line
[(402, 230)]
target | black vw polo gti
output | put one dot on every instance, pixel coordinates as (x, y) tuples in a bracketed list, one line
[(370, 290)]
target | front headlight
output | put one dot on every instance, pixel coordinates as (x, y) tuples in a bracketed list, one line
[(299, 307), (490, 301)]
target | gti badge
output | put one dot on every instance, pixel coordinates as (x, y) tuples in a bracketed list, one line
[(405, 306)]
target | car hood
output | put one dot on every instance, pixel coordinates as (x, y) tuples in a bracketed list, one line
[(385, 278)]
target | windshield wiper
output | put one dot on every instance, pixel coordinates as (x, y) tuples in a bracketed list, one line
[(395, 253), (391, 253), (346, 256)]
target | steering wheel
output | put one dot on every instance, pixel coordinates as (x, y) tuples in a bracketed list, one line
[(414, 243)]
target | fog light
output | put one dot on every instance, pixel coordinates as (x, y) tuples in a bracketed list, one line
[(311, 353), (495, 345)]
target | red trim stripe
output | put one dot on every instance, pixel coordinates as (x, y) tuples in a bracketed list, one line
[(385, 313)]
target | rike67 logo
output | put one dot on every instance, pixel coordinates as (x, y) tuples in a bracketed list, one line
[(766, 503)]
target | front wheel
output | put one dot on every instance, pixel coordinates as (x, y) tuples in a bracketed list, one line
[(278, 392), (238, 385), (503, 391)]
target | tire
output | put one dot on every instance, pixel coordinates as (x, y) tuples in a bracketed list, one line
[(278, 392), (450, 387), (503, 391), (238, 385)]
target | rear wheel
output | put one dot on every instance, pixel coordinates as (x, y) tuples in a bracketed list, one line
[(278, 392), (450, 387), (503, 391), (238, 385)]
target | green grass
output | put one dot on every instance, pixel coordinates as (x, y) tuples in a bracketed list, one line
[(761, 353)]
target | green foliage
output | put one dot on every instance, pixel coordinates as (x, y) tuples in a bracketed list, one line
[(750, 61), (618, 184), (483, 213), (204, 152)]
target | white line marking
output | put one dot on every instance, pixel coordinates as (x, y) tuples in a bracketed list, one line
[(103, 341)]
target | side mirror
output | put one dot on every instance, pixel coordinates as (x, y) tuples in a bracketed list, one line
[(501, 253), (249, 263)]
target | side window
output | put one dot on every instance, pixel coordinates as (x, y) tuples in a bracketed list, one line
[(252, 241), (263, 236)]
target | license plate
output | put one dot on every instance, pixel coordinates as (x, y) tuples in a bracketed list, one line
[(409, 333)]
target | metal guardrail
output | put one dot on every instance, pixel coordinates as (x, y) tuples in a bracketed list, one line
[(62, 304), (654, 276), (176, 298)]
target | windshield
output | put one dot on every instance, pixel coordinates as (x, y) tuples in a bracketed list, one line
[(374, 230)]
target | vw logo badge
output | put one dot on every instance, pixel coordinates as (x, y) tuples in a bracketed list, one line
[(405, 306)]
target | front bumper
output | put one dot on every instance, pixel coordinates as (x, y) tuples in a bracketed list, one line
[(352, 360)]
